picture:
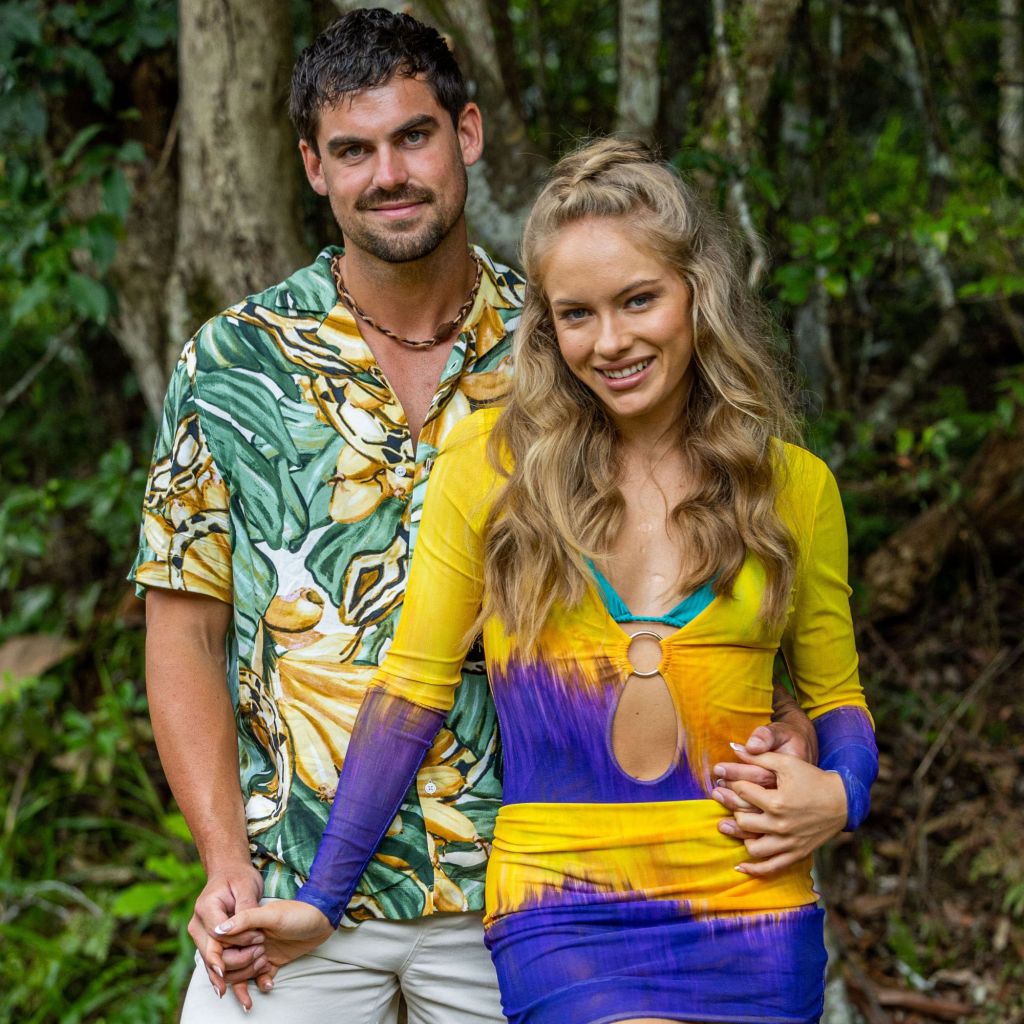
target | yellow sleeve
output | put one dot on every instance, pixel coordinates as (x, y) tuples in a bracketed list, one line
[(818, 642), (442, 600)]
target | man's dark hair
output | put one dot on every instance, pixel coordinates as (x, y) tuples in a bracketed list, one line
[(364, 49)]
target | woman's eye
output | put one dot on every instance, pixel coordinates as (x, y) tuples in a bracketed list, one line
[(640, 301), (573, 315)]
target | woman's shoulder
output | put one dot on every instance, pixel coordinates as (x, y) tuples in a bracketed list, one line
[(801, 467), (466, 442), (465, 471), (804, 479), (472, 431)]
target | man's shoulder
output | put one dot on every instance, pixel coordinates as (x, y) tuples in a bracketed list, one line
[(265, 325), (308, 292)]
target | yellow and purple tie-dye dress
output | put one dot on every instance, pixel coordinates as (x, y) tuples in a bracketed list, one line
[(609, 897)]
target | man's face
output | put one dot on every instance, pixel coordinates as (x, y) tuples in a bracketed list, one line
[(393, 167)]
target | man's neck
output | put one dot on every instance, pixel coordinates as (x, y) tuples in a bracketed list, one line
[(412, 299)]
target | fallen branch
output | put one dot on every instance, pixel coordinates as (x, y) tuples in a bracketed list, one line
[(949, 1009)]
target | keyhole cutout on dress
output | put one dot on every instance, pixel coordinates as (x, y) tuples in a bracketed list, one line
[(645, 726)]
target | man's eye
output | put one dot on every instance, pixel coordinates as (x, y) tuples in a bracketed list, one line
[(415, 137), (351, 152)]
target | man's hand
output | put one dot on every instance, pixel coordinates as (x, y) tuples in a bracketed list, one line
[(195, 732), (789, 732), (289, 929), (783, 825), (226, 893)]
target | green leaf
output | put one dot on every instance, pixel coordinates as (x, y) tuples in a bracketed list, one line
[(91, 68), (794, 280), (89, 297), (176, 825), (78, 143), (132, 153), (835, 285), (117, 194), (142, 899), (20, 23), (101, 241), (169, 867), (30, 299)]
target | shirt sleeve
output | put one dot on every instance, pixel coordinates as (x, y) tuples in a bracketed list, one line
[(184, 539), (442, 601)]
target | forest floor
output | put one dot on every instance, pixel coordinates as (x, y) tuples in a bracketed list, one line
[(927, 900)]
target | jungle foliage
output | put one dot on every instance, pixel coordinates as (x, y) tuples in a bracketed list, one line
[(873, 161)]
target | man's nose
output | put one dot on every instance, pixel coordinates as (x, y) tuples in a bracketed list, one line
[(390, 172)]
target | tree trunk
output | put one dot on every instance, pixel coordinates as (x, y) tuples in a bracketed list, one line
[(227, 223), (765, 29), (237, 226), (1011, 89), (736, 145), (504, 182), (639, 83)]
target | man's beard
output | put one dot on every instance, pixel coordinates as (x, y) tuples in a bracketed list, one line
[(397, 246)]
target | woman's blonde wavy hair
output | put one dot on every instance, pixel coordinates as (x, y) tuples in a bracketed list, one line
[(558, 448)]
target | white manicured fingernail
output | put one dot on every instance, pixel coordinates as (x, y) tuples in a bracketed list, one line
[(738, 747), (218, 971), (224, 926)]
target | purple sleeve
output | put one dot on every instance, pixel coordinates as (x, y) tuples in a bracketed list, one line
[(390, 738), (847, 747)]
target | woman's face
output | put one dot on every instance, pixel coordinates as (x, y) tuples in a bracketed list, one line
[(622, 318)]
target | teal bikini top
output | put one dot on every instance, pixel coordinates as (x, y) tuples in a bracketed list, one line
[(685, 612)]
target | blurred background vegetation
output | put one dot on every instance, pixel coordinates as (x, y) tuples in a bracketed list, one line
[(871, 154)]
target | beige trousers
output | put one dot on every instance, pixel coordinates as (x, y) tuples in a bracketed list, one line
[(438, 963)]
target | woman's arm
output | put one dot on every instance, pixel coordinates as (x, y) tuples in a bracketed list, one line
[(813, 804), (406, 704)]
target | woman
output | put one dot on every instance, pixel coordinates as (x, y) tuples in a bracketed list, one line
[(636, 541)]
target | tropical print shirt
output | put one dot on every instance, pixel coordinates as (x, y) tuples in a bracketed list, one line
[(285, 482)]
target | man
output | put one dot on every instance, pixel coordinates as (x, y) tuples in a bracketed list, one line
[(299, 431)]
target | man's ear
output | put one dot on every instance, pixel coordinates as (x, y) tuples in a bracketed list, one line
[(471, 134), (314, 168)]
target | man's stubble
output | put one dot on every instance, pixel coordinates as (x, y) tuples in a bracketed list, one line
[(397, 246)]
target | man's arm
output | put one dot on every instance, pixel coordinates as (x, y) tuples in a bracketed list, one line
[(790, 732), (194, 728)]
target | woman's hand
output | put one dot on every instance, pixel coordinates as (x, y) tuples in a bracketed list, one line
[(290, 928), (783, 825)]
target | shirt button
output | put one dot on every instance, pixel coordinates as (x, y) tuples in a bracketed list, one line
[(430, 788), (400, 471)]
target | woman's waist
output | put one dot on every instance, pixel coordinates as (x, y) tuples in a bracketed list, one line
[(552, 854)]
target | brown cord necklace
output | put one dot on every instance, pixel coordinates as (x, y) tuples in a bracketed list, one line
[(443, 332)]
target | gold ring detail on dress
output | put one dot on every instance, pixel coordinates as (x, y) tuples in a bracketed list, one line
[(634, 636)]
